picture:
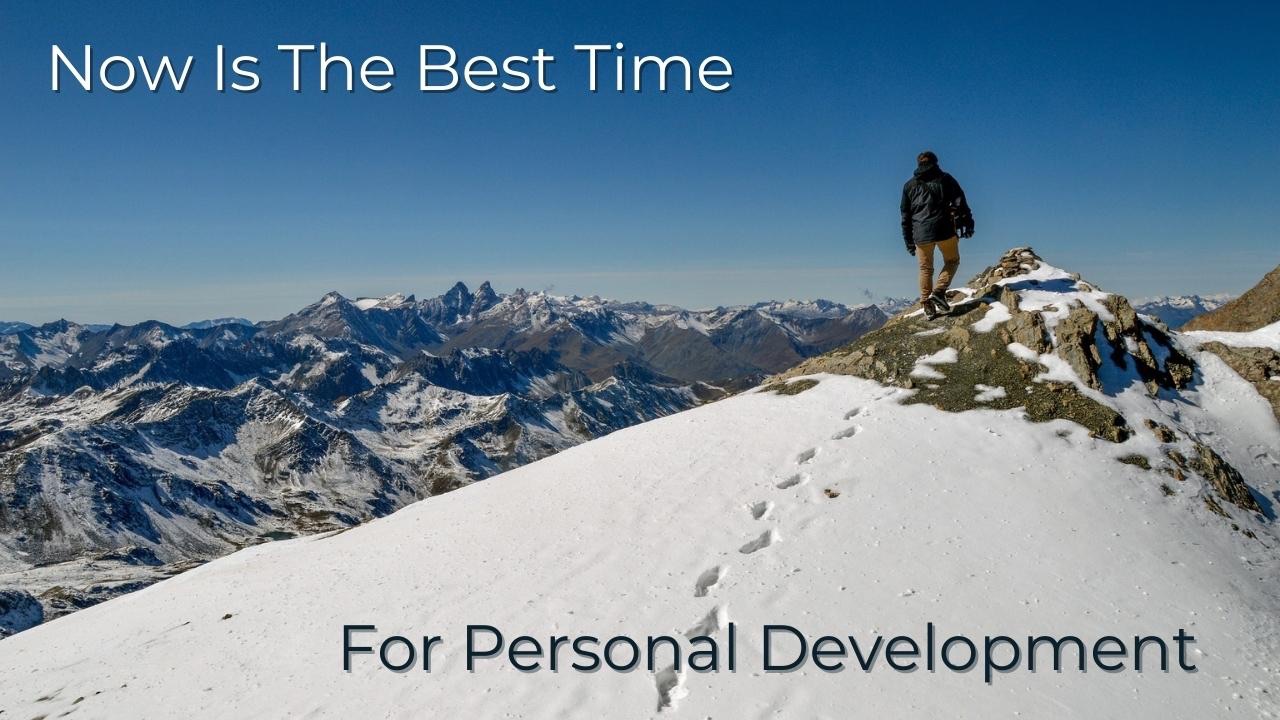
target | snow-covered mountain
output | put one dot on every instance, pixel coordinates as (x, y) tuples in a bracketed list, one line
[(206, 324), (1043, 462), (12, 327), (1175, 311), (893, 305), (130, 453)]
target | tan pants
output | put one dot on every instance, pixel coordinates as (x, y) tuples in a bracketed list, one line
[(950, 262)]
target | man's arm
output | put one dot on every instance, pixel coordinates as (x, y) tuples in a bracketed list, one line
[(906, 222), (963, 214)]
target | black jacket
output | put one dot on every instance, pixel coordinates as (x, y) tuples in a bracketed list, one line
[(933, 207)]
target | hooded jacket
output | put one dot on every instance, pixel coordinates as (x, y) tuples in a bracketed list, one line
[(933, 205)]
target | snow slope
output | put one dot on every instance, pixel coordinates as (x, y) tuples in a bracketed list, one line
[(837, 510), (1268, 336)]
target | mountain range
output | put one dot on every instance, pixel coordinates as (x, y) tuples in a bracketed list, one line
[(1042, 462), (1177, 310), (131, 453)]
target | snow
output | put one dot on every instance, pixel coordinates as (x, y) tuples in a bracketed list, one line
[(1266, 337), (945, 356), (987, 393), (1022, 352), (924, 366), (389, 302), (1052, 292), (724, 514), (997, 313)]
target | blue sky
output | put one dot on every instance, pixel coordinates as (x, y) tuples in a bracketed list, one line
[(1134, 143)]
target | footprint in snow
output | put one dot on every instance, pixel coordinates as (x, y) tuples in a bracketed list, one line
[(668, 681), (711, 623), (761, 510), (671, 689), (853, 413), (793, 481), (807, 456), (708, 580), (767, 538), (847, 432)]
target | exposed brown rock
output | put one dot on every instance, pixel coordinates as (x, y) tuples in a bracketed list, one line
[(1224, 478), (1024, 327), (793, 387), (1076, 344), (1258, 307), (1163, 433), (1137, 460), (1017, 261)]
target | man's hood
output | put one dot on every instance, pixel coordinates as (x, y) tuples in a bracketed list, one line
[(928, 171)]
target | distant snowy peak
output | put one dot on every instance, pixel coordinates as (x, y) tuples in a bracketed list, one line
[(394, 300), (893, 305), (806, 308), (8, 328), (1176, 310), (216, 322)]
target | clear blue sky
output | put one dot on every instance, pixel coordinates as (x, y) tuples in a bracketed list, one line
[(1135, 144)]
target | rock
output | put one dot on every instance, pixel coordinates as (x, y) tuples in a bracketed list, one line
[(957, 337), (1163, 433), (1017, 261), (1130, 336), (1136, 459), (1224, 478), (1076, 344), (19, 610), (1023, 327)]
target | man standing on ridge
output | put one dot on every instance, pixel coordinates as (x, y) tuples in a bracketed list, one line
[(934, 214)]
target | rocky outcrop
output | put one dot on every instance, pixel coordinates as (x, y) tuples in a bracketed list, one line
[(18, 611), (1223, 477), (1017, 261), (890, 355), (1085, 335), (1023, 327)]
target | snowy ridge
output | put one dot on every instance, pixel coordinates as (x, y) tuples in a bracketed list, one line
[(792, 510)]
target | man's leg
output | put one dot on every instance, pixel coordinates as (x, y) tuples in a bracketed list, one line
[(950, 263), (924, 254)]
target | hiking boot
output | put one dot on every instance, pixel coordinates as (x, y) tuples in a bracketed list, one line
[(938, 299), (931, 312)]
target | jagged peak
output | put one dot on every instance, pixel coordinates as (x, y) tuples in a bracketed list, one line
[(459, 290)]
